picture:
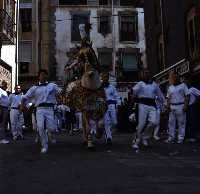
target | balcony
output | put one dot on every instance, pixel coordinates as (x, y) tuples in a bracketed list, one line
[(7, 28)]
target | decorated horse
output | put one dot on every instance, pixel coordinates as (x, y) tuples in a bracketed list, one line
[(86, 94)]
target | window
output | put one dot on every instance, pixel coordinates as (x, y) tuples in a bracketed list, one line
[(25, 56), (76, 20), (73, 2), (128, 28), (129, 62), (105, 25), (24, 67), (105, 60), (126, 2), (193, 30), (26, 20), (104, 2), (25, 51)]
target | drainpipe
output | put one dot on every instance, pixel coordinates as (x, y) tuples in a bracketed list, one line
[(163, 32), (113, 40), (17, 44), (39, 25)]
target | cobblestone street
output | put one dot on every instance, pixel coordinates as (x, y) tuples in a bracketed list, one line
[(70, 168)]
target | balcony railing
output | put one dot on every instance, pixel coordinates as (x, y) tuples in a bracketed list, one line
[(182, 67), (7, 28)]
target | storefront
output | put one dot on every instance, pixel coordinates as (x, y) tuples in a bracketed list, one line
[(6, 73)]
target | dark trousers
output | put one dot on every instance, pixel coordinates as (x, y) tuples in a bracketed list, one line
[(193, 121), (3, 121)]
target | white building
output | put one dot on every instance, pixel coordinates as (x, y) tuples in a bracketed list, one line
[(7, 42), (117, 34)]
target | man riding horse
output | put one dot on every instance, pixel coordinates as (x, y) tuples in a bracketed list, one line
[(87, 94)]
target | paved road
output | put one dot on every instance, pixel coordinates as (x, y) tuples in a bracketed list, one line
[(69, 168)]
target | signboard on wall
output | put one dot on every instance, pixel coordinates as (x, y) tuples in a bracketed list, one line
[(6, 74)]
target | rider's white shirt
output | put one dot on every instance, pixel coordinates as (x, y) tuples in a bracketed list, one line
[(43, 94)]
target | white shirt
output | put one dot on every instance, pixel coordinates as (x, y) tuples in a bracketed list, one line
[(144, 90), (177, 93), (4, 98), (15, 100), (43, 94), (193, 94), (112, 94)]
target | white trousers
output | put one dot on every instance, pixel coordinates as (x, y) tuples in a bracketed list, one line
[(178, 115), (17, 121), (79, 120), (58, 118), (146, 122), (110, 119), (34, 123), (157, 127), (46, 121), (93, 127)]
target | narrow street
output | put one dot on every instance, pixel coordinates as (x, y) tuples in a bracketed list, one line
[(70, 168)]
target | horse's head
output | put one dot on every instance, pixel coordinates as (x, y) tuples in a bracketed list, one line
[(91, 80)]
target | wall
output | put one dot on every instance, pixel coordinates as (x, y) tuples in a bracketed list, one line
[(63, 33), (174, 21)]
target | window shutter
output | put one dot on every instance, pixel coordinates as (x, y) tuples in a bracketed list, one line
[(25, 51), (129, 62), (76, 20)]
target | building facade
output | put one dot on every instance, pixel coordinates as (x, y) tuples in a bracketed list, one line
[(36, 42), (25, 68), (7, 41), (117, 35), (49, 35), (173, 37)]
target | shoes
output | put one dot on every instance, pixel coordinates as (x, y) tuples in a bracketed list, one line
[(15, 138), (135, 146), (169, 140), (157, 138), (4, 141), (44, 151), (75, 130), (180, 141), (18, 137), (145, 142)]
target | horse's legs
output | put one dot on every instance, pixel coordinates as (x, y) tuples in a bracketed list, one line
[(87, 135)]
